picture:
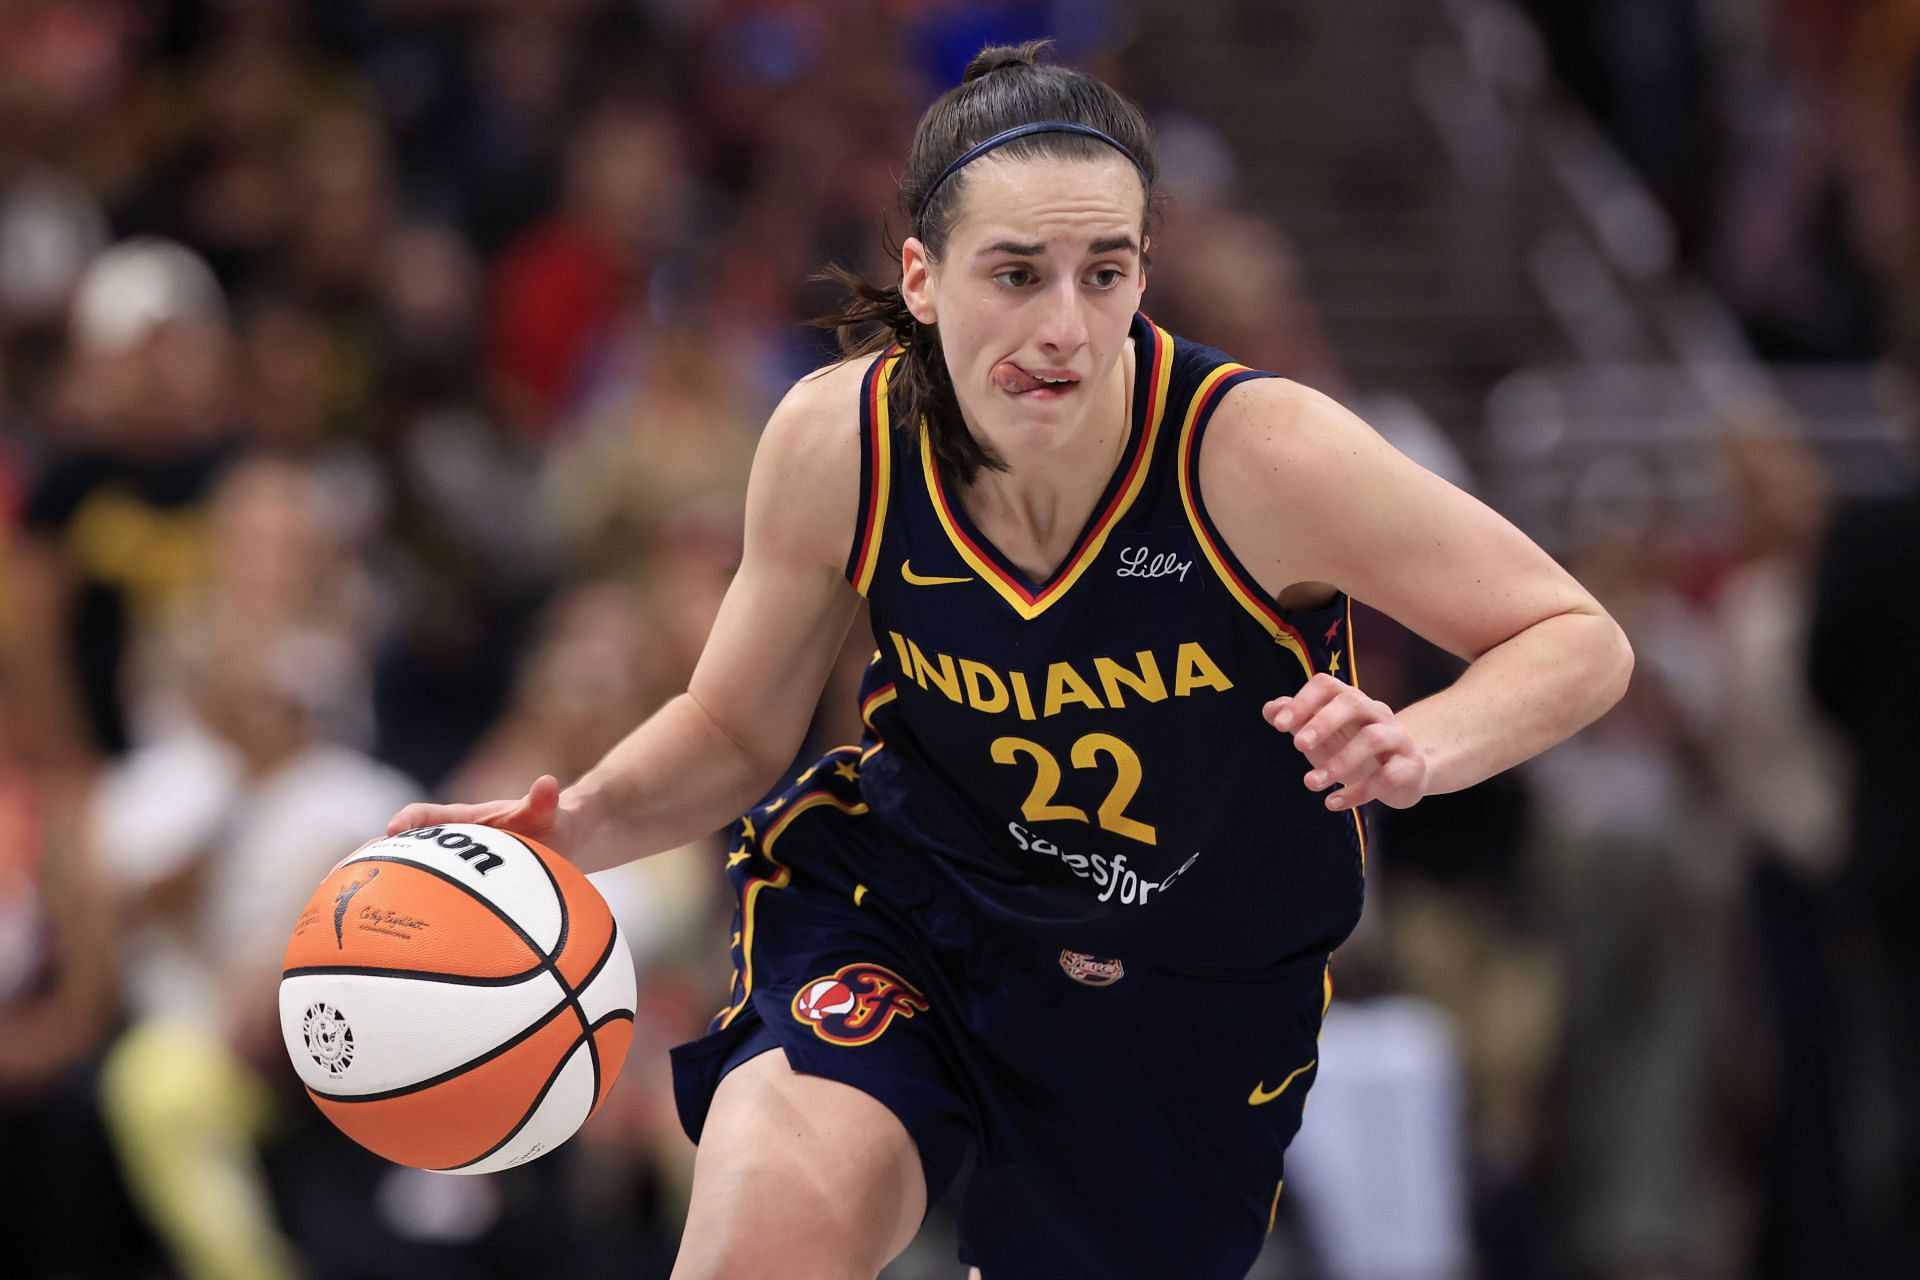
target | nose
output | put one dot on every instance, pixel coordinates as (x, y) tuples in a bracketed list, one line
[(1063, 325)]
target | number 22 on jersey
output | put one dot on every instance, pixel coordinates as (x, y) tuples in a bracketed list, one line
[(1085, 754)]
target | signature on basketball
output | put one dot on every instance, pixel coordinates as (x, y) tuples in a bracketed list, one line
[(1140, 562)]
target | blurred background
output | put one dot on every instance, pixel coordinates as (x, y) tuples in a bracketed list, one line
[(378, 380)]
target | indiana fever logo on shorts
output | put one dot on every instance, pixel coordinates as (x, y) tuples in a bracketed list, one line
[(856, 1003)]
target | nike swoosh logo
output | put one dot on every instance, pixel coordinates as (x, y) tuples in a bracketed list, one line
[(924, 580), (1260, 1096)]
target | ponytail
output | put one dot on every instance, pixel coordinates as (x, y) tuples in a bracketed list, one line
[(875, 319)]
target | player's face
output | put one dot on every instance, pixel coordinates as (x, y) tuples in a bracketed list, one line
[(1035, 292)]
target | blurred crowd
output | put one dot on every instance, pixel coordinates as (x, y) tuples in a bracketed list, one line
[(378, 380), (1780, 137)]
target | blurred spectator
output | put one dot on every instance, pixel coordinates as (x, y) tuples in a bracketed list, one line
[(1387, 1144), (1634, 859), (1865, 679), (595, 669), (211, 838), (1784, 776), (685, 428), (50, 227), (336, 259), (275, 564), (1235, 276), (115, 528), (61, 1207), (558, 287), (688, 569), (1874, 84)]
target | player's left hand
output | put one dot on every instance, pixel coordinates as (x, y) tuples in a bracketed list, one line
[(1353, 742)]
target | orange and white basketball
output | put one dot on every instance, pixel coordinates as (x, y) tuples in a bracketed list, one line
[(457, 998)]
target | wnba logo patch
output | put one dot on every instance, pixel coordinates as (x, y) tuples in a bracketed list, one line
[(856, 1003), (1091, 970)]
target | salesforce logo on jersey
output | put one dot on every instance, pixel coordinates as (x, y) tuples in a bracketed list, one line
[(1113, 877)]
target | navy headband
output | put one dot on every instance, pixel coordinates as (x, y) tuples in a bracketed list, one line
[(1020, 131)]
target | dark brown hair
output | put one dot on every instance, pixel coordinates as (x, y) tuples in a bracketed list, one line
[(1004, 86)]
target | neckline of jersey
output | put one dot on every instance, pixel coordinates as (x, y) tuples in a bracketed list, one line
[(1153, 352)]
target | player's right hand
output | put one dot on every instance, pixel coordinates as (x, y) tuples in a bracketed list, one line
[(534, 815)]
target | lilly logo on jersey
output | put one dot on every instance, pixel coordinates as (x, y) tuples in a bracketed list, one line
[(1144, 562), (856, 1003)]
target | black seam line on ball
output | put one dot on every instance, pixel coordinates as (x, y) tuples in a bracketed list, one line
[(553, 961), (560, 943), (593, 1044), (539, 1024), (546, 961), (593, 1099), (414, 975), (527, 1117), (601, 963), (618, 1015), (585, 983), (480, 898)]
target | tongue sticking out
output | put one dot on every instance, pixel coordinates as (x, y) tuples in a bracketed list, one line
[(1012, 378)]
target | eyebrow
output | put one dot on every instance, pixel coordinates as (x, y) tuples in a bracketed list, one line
[(1110, 244)]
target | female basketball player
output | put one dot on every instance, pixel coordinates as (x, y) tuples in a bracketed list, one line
[(1070, 902)]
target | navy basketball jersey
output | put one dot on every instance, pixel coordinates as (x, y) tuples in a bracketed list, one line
[(1085, 758)]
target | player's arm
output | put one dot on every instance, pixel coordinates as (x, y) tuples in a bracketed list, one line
[(699, 761), (1305, 492)]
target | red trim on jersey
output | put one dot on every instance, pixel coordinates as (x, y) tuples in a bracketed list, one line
[(877, 456), (1069, 568)]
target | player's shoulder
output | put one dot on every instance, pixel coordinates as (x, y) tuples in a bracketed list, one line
[(819, 417), (805, 491), (832, 389), (812, 438), (1251, 395), (1276, 444), (1281, 421)]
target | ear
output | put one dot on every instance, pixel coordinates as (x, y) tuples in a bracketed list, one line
[(916, 280)]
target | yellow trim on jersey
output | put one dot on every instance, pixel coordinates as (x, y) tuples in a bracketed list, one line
[(1273, 1214), (1086, 554), (1283, 635), (1353, 678), (882, 436), (1353, 659), (781, 878), (1266, 617), (877, 699)]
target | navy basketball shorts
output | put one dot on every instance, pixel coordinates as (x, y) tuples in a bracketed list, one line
[(1123, 1123)]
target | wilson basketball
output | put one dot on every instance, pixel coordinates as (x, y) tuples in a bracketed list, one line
[(457, 998)]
